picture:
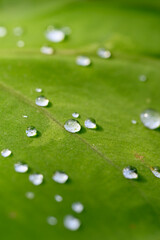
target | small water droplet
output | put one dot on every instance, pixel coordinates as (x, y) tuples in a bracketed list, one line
[(30, 195), (39, 90), (134, 122), (21, 167), (150, 118), (31, 131), (58, 198), (72, 126), (103, 53), (47, 50), (36, 178), (3, 31), (55, 35), (156, 171), (71, 223), (25, 116), (60, 177), (52, 220), (18, 31), (6, 152), (42, 101), (77, 207), (83, 61), (130, 172), (142, 78), (90, 123), (75, 115), (20, 44)]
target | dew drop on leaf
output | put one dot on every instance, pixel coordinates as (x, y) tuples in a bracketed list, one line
[(142, 78), (75, 115), (71, 223), (30, 195), (36, 178), (31, 131), (58, 198), (3, 31), (83, 61), (60, 177), (18, 31), (77, 207), (47, 50), (51, 220), (103, 53), (42, 101), (130, 172), (21, 167), (55, 35), (134, 122), (150, 118), (20, 44), (156, 171), (90, 123), (6, 152), (72, 126), (39, 90)]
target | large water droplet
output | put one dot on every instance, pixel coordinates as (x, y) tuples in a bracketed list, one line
[(156, 171), (90, 123), (60, 177), (75, 115), (72, 126), (83, 61), (58, 198), (31, 131), (130, 172), (71, 223), (55, 35), (47, 50), (103, 53), (42, 101), (20, 44), (18, 31), (142, 78), (20, 167), (36, 178), (52, 220), (6, 152), (3, 31), (77, 207), (150, 118), (30, 195)]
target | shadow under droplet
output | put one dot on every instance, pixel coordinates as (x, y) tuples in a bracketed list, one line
[(141, 178), (99, 128), (83, 130), (38, 134), (49, 105), (157, 130)]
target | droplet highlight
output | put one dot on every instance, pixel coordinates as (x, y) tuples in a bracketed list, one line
[(42, 101), (60, 177), (150, 119), (72, 223), (130, 172), (72, 126)]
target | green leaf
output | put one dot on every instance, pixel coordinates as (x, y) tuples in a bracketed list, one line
[(109, 91)]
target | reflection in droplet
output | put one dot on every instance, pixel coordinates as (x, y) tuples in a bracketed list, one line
[(130, 172), (6, 152), (60, 177), (150, 118), (72, 126), (71, 223)]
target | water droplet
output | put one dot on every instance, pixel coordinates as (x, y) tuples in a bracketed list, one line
[(90, 123), (150, 118), (103, 53), (77, 207), (42, 101), (21, 167), (55, 35), (30, 195), (75, 115), (25, 116), (58, 198), (52, 220), (130, 172), (18, 31), (47, 50), (72, 126), (134, 122), (3, 31), (20, 44), (60, 177), (67, 30), (156, 171), (71, 223), (6, 152), (39, 90), (31, 131), (142, 78), (83, 61), (36, 178)]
